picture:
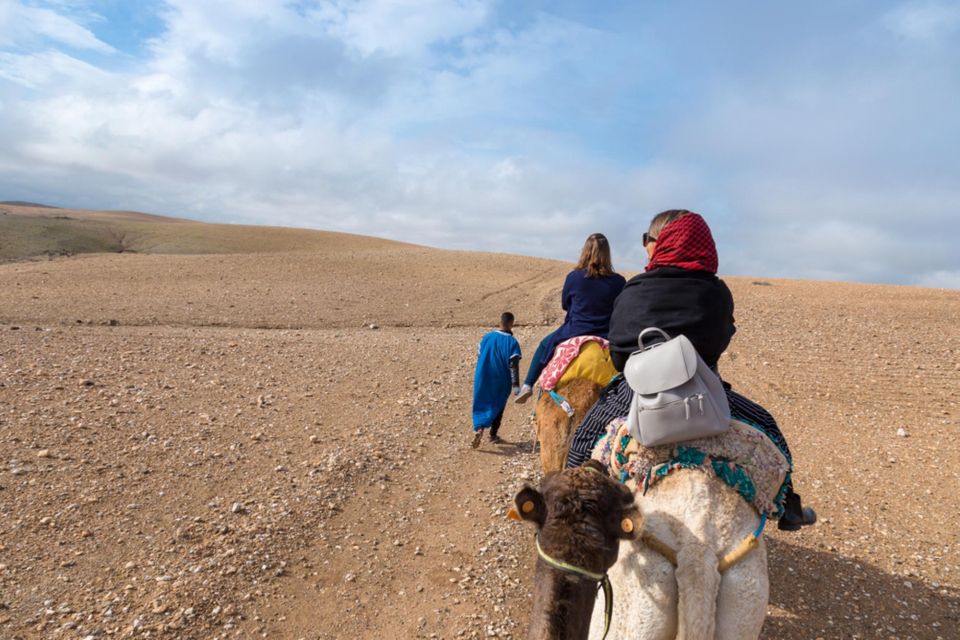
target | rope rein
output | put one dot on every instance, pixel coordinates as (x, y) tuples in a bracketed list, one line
[(742, 550), (601, 578)]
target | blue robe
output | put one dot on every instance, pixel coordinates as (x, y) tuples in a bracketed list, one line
[(491, 381)]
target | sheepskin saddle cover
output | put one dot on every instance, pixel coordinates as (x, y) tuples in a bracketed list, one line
[(744, 457)]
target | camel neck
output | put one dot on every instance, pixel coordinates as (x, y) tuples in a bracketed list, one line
[(562, 605)]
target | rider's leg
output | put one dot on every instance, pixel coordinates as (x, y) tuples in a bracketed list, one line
[(795, 515), (613, 403)]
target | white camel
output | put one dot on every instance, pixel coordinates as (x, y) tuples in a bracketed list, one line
[(683, 560), (703, 519)]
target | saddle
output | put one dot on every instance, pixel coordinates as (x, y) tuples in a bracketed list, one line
[(743, 457), (581, 357)]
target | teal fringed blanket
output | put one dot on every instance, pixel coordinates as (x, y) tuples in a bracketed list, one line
[(743, 457)]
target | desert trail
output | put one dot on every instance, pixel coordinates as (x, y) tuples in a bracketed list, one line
[(224, 431)]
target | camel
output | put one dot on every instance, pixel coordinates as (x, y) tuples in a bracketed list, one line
[(555, 428), (695, 573)]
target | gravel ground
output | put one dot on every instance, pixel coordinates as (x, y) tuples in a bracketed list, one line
[(249, 452)]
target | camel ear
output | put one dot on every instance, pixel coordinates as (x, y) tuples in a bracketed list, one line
[(631, 523), (529, 506)]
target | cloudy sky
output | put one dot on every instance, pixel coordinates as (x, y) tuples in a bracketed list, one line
[(820, 140)]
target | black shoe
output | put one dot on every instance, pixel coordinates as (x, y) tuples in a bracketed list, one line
[(795, 515), (496, 440)]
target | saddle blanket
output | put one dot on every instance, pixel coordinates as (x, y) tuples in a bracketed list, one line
[(580, 357), (744, 457)]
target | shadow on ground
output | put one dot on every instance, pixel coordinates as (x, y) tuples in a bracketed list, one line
[(507, 448), (817, 594)]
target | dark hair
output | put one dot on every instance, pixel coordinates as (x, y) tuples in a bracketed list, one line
[(662, 219), (595, 256), (506, 318)]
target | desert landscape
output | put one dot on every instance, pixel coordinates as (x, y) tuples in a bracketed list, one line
[(215, 431)]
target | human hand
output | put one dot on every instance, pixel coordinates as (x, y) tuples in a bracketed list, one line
[(515, 391)]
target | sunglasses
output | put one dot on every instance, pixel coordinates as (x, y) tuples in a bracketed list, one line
[(647, 238)]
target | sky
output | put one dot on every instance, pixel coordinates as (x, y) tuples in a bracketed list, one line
[(819, 140)]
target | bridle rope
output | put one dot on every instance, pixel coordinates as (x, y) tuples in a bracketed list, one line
[(601, 578)]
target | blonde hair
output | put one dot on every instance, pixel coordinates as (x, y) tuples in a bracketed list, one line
[(662, 219), (595, 256)]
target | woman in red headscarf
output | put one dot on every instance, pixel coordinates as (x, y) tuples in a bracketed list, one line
[(680, 293)]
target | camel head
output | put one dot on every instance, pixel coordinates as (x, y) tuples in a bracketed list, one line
[(581, 515)]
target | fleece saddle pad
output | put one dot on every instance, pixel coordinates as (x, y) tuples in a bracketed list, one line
[(744, 457), (581, 357)]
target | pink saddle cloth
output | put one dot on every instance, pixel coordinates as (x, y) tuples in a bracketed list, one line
[(565, 353)]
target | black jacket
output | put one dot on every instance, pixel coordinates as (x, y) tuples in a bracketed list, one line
[(696, 304)]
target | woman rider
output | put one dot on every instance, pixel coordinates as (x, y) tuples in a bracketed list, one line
[(588, 295), (680, 293)]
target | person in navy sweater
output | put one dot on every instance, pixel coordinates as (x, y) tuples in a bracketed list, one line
[(588, 295)]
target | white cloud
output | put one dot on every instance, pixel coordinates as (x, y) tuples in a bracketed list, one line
[(835, 165), (399, 27), (436, 123), (51, 70), (924, 21), (187, 126), (24, 25)]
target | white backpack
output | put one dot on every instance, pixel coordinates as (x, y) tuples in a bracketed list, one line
[(676, 396)]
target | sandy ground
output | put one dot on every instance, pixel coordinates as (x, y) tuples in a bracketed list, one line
[(241, 455)]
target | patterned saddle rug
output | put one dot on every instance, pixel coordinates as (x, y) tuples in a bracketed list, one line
[(744, 457)]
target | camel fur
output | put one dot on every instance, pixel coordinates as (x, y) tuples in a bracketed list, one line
[(696, 515), (555, 428), (703, 519), (579, 517)]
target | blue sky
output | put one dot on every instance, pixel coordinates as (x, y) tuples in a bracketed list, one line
[(818, 139)]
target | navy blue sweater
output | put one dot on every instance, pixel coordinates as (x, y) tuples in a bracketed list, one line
[(589, 304)]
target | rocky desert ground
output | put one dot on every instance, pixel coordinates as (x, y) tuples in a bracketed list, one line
[(268, 437)]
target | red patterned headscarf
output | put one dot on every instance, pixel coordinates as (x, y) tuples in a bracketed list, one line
[(686, 243)]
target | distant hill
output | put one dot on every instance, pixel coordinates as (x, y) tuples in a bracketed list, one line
[(29, 230), (21, 203)]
